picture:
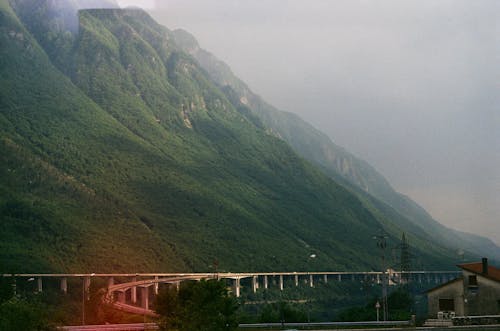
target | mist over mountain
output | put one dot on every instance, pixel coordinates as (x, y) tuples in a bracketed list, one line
[(122, 153), (338, 163), (410, 87)]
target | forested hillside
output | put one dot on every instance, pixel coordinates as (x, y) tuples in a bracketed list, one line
[(120, 153)]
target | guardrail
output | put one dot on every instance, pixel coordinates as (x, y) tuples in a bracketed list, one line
[(154, 326), (323, 324), (476, 320), (111, 327)]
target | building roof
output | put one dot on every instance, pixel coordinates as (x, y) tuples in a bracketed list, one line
[(477, 268), (444, 284)]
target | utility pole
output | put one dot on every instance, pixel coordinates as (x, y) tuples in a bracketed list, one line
[(382, 245), (405, 259)]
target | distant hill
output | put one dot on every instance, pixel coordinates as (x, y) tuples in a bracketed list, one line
[(335, 161), (120, 153)]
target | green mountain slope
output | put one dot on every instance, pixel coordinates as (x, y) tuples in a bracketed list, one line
[(123, 155), (357, 175)]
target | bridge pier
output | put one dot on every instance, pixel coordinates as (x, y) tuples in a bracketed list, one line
[(39, 285), (340, 277), (237, 287), (281, 282), (156, 285), (296, 280), (111, 281), (325, 278), (120, 296), (144, 297), (266, 283), (133, 291), (311, 282), (255, 284), (64, 285)]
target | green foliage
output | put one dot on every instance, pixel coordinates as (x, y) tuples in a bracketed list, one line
[(22, 314), (197, 306), (281, 312), (399, 302)]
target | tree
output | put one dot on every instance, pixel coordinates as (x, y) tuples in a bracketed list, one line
[(21, 314), (197, 306), (400, 305)]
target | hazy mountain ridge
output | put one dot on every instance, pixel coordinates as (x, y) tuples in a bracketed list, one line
[(128, 158), (336, 161)]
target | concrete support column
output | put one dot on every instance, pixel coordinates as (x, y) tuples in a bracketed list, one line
[(178, 285), (64, 285), (378, 278), (340, 277), (144, 297), (156, 286), (420, 278), (311, 282), (352, 277), (281, 282), (133, 291), (237, 287), (266, 283), (296, 280), (325, 278), (120, 296), (111, 281), (39, 286), (255, 284), (437, 279)]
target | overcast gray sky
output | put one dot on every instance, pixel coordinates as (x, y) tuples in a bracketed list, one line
[(412, 87)]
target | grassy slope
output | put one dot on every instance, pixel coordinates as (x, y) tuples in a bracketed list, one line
[(104, 173)]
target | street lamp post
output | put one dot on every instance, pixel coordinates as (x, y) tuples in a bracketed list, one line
[(83, 301), (85, 289), (377, 306), (312, 256)]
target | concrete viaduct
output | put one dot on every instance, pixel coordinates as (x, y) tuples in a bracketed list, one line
[(139, 284)]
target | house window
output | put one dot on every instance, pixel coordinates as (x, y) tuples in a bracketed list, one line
[(472, 280), (446, 305)]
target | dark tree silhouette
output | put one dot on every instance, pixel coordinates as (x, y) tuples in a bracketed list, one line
[(197, 306)]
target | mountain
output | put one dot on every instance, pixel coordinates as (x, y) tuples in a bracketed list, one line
[(355, 174), (121, 154)]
